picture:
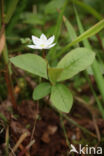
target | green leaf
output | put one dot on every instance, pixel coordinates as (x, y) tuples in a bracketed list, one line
[(42, 90), (31, 63), (61, 98), (88, 33), (75, 61), (54, 74), (71, 32)]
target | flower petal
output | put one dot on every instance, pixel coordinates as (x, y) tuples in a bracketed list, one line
[(35, 40), (50, 40), (34, 47), (43, 37), (50, 46)]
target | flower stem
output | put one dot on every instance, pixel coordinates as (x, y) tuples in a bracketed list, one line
[(43, 54)]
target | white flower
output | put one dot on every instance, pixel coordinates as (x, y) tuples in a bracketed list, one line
[(42, 42)]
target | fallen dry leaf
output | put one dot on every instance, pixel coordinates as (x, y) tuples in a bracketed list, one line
[(51, 130), (45, 138)]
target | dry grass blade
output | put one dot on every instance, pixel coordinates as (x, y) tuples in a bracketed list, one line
[(27, 148), (21, 139), (7, 141)]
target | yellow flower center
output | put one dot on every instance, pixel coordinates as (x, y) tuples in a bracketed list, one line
[(42, 45)]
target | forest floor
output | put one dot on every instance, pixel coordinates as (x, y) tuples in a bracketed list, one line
[(45, 131)]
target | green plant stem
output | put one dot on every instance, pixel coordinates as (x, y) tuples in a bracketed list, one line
[(73, 122), (76, 124), (36, 118), (64, 130), (65, 133)]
